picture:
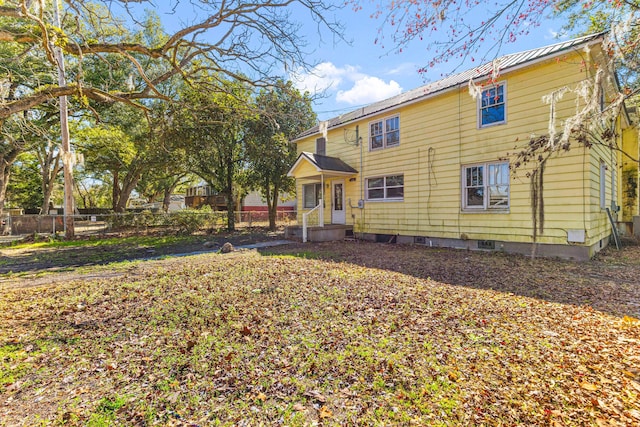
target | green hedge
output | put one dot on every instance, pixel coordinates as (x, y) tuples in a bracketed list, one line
[(186, 221)]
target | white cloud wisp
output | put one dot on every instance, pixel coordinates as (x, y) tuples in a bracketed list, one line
[(350, 86)]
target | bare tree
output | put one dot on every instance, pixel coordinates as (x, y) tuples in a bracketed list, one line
[(475, 30), (245, 41)]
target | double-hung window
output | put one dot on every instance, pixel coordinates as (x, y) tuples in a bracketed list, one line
[(390, 187), (492, 105), (311, 194), (384, 133), (485, 186)]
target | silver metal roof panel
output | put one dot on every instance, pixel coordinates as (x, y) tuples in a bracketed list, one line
[(505, 62)]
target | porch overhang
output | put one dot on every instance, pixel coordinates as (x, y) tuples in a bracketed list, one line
[(310, 166)]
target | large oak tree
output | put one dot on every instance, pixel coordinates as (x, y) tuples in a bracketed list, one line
[(234, 39), (282, 114)]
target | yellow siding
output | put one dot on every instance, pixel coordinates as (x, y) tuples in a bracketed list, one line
[(440, 134), (305, 169), (628, 173)]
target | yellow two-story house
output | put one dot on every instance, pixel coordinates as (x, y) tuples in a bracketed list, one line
[(436, 165)]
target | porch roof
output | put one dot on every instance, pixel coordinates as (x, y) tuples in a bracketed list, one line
[(309, 165)]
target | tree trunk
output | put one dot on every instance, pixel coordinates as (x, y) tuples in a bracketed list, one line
[(47, 191), (272, 206), (115, 192), (48, 179), (46, 161), (166, 201), (231, 207), (83, 197), (129, 184), (6, 161), (5, 172)]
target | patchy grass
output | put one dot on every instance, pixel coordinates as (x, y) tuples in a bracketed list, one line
[(45, 255), (337, 334), (49, 256), (99, 241)]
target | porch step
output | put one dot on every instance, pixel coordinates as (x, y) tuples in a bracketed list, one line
[(328, 233)]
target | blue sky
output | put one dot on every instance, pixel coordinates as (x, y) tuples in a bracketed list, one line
[(364, 72), (350, 75)]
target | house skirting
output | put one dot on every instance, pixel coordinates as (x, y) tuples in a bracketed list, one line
[(545, 250), (328, 233)]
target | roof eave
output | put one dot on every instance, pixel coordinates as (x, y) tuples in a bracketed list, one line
[(595, 40), (300, 158)]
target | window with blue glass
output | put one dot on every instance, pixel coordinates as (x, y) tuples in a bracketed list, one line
[(384, 133), (493, 105)]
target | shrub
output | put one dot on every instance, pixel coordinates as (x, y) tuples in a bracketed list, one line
[(188, 221)]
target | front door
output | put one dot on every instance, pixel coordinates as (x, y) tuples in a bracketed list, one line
[(338, 212)]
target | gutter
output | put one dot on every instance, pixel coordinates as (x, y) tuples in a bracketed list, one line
[(597, 39)]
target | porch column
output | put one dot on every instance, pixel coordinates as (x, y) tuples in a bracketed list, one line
[(321, 213)]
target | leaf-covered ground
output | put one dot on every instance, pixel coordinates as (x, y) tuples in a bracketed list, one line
[(330, 334)]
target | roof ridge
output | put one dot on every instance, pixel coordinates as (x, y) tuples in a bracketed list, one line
[(510, 60), (573, 41)]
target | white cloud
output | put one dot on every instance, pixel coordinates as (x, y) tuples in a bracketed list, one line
[(368, 89), (324, 76), (555, 35), (350, 85), (403, 68)]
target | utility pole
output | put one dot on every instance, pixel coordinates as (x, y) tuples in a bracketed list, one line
[(67, 161)]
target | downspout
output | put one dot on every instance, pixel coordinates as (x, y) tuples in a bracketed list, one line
[(460, 178), (361, 200)]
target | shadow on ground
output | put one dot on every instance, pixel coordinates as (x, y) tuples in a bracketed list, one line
[(609, 283), (53, 259)]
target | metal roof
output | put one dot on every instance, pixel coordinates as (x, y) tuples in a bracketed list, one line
[(505, 63)]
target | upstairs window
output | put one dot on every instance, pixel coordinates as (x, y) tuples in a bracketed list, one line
[(493, 105), (384, 133), (485, 186), (321, 146)]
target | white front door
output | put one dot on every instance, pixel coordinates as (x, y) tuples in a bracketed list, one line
[(338, 211)]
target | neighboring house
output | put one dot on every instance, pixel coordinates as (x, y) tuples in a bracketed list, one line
[(255, 202), (203, 194), (432, 166), (176, 203)]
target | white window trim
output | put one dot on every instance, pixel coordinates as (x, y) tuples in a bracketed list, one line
[(479, 106), (485, 208), (315, 184), (383, 120), (385, 199)]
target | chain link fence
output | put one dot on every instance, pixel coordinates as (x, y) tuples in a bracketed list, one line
[(185, 221)]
